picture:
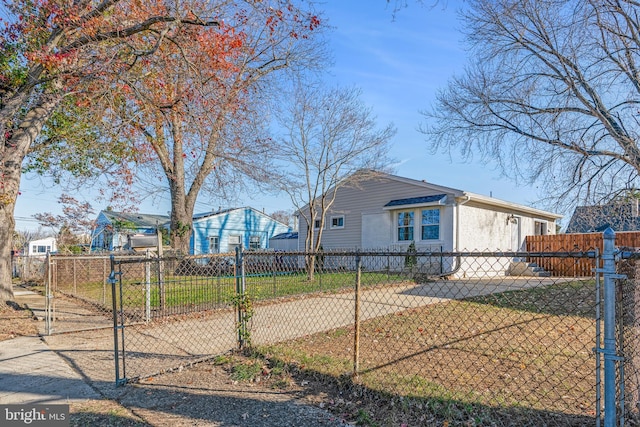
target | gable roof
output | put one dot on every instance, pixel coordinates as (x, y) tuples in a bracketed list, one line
[(218, 212), (458, 195), (204, 215), (618, 216), (137, 219)]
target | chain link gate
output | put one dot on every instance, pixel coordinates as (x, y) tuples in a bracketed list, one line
[(171, 312)]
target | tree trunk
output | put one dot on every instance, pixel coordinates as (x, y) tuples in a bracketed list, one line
[(7, 225), (14, 145), (9, 187), (181, 221)]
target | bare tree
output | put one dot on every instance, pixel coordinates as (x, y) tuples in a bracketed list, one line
[(330, 134), (285, 217), (552, 95), (74, 226)]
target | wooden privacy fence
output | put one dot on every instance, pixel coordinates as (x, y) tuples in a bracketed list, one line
[(579, 266)]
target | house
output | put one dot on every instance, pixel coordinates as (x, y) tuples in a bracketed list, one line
[(225, 230), (113, 229), (42, 246), (287, 242), (620, 215), (384, 211)]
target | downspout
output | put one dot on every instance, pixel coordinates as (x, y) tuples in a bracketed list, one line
[(458, 204), (455, 269)]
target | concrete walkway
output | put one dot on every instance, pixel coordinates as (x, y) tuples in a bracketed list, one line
[(31, 373)]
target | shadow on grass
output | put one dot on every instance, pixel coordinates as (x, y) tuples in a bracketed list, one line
[(362, 405), (572, 298)]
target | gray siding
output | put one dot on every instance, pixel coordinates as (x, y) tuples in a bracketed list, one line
[(367, 198)]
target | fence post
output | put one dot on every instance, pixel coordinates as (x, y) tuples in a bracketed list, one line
[(609, 350), (356, 339), (147, 287), (48, 307), (240, 295)]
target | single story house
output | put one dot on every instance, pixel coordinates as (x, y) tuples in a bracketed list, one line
[(40, 247), (384, 211), (113, 229), (225, 230)]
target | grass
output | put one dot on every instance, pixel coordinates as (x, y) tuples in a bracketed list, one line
[(523, 355), (212, 291)]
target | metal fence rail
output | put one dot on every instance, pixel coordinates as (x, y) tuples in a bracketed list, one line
[(476, 342)]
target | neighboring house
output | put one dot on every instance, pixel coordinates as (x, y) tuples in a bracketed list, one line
[(620, 216), (224, 230), (287, 242), (42, 246), (389, 212), (114, 228)]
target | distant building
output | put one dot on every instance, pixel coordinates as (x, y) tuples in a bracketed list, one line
[(113, 229), (619, 215), (42, 246), (284, 241), (213, 232)]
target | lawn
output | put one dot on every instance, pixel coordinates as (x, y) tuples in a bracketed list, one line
[(515, 358), (186, 293)]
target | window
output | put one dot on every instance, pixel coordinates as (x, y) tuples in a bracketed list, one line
[(235, 241), (405, 226), (316, 224), (254, 243), (214, 244), (337, 221), (540, 228), (430, 224)]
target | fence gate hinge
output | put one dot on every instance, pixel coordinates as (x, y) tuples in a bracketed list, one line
[(613, 276)]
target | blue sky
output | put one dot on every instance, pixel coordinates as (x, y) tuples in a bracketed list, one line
[(399, 64)]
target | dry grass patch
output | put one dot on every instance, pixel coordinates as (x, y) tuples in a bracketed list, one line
[(524, 356)]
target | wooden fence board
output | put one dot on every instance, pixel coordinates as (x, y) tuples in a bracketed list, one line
[(579, 266)]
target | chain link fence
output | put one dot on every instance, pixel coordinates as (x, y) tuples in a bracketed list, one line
[(628, 333), (28, 268), (78, 295), (449, 332)]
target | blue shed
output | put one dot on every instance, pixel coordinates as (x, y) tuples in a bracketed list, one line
[(224, 230)]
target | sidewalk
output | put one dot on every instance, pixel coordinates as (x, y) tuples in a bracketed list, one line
[(31, 373)]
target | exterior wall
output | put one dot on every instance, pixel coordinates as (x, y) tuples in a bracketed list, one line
[(36, 246), (286, 245), (494, 229), (365, 202), (245, 222)]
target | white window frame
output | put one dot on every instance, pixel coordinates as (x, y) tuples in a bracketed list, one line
[(336, 217), (253, 239), (412, 226), (214, 248), (544, 227), (430, 225)]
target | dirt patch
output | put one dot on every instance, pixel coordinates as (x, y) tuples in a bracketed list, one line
[(105, 413), (17, 320)]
